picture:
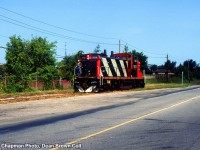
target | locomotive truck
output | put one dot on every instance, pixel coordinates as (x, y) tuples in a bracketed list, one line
[(97, 72)]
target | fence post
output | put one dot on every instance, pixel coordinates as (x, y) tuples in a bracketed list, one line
[(60, 81), (5, 82), (36, 83), (144, 74), (182, 77)]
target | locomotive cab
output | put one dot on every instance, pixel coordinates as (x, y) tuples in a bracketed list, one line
[(99, 72), (86, 81)]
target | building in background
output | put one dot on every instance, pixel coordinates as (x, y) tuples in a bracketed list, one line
[(162, 73)]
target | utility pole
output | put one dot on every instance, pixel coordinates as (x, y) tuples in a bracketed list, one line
[(188, 71), (167, 68), (119, 46), (182, 77)]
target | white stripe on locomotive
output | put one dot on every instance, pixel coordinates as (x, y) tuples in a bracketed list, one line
[(115, 67), (107, 68), (123, 68)]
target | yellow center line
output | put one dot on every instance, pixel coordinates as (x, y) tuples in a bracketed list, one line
[(127, 122)]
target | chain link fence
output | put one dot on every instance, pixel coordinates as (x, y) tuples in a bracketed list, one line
[(38, 82), (35, 82)]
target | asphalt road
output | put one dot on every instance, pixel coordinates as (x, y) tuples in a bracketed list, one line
[(162, 119)]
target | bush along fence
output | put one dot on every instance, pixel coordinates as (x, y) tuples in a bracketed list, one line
[(10, 84)]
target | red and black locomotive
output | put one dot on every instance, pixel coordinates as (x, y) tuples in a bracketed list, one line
[(95, 72)]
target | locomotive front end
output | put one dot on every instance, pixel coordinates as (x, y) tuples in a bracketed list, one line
[(86, 73)]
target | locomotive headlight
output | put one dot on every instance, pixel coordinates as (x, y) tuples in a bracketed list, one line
[(108, 82)]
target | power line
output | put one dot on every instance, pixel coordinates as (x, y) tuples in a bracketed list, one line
[(4, 36), (156, 57), (2, 47), (72, 31), (27, 26), (141, 49)]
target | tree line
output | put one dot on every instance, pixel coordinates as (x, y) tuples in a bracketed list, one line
[(37, 57), (190, 68)]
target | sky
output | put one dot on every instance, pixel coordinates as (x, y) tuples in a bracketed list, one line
[(155, 27)]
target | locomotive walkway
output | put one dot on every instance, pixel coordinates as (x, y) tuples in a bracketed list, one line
[(34, 113)]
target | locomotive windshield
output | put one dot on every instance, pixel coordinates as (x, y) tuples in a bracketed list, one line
[(88, 68)]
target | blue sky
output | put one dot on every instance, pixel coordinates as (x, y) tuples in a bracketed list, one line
[(154, 27)]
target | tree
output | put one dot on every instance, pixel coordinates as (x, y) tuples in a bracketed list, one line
[(153, 68), (126, 49), (1, 70), (43, 60), (42, 53), (197, 72), (67, 65), (18, 64), (97, 49), (170, 65), (27, 58), (143, 60), (190, 67)]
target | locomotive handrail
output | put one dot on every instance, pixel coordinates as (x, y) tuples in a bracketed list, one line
[(73, 80), (101, 76)]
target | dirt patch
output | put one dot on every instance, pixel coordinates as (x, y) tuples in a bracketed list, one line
[(41, 95), (30, 97), (12, 98)]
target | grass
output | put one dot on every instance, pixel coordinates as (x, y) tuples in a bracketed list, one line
[(151, 83), (35, 92), (171, 83), (165, 85)]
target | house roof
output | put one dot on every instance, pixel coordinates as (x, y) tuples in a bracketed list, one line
[(162, 71)]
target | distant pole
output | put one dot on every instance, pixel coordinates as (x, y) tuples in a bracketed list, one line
[(188, 71), (144, 74), (119, 46), (167, 68), (182, 77)]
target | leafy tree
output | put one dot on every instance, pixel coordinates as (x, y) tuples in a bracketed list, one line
[(97, 49), (1, 70), (43, 61), (142, 58), (126, 49), (42, 53), (18, 64), (197, 72), (170, 65), (26, 58), (67, 65), (191, 64), (153, 68), (190, 67)]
